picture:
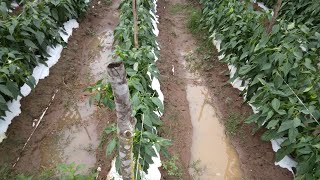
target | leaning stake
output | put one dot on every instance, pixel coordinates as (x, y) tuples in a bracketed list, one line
[(125, 120)]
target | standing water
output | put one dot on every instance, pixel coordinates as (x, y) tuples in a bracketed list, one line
[(76, 139), (212, 156)]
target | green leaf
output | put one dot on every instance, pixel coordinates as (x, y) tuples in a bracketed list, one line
[(266, 66), (5, 90), (137, 85), (29, 43), (307, 165), (296, 122), (291, 26), (108, 103), (147, 120), (40, 37), (275, 104), (110, 129), (305, 29), (293, 133), (31, 82), (245, 54), (272, 124), (135, 100), (98, 97), (298, 53), (309, 65), (245, 69), (158, 103), (150, 151), (252, 118), (111, 146), (285, 125), (13, 26), (283, 151), (262, 43), (2, 100)]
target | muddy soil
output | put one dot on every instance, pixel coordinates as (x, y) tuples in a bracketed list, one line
[(256, 157), (71, 129)]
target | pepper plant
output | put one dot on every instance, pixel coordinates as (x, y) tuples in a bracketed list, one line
[(280, 70)]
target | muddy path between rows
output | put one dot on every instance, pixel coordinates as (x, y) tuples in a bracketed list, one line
[(71, 129), (198, 104)]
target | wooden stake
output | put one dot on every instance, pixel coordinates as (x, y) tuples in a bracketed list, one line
[(125, 120), (135, 23), (275, 15)]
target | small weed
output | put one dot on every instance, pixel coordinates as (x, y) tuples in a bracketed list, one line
[(62, 171), (196, 169), (193, 22), (90, 32), (110, 129), (107, 2), (174, 34), (74, 47), (6, 173), (233, 124), (68, 103), (172, 167), (177, 8), (173, 116)]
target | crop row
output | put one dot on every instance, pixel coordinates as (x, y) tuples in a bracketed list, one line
[(24, 41), (281, 71), (142, 75)]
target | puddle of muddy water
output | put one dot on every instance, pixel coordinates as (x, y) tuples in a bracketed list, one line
[(101, 53), (76, 138), (212, 157)]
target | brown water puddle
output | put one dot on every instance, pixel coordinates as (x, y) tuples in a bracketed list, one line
[(76, 139), (101, 52), (212, 156)]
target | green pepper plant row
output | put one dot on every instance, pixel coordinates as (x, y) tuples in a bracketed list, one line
[(281, 73), (142, 73), (29, 43), (299, 11)]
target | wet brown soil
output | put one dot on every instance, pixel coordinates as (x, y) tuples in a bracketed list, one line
[(71, 129)]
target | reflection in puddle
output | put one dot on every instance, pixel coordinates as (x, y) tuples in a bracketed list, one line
[(212, 155), (101, 53), (76, 140)]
